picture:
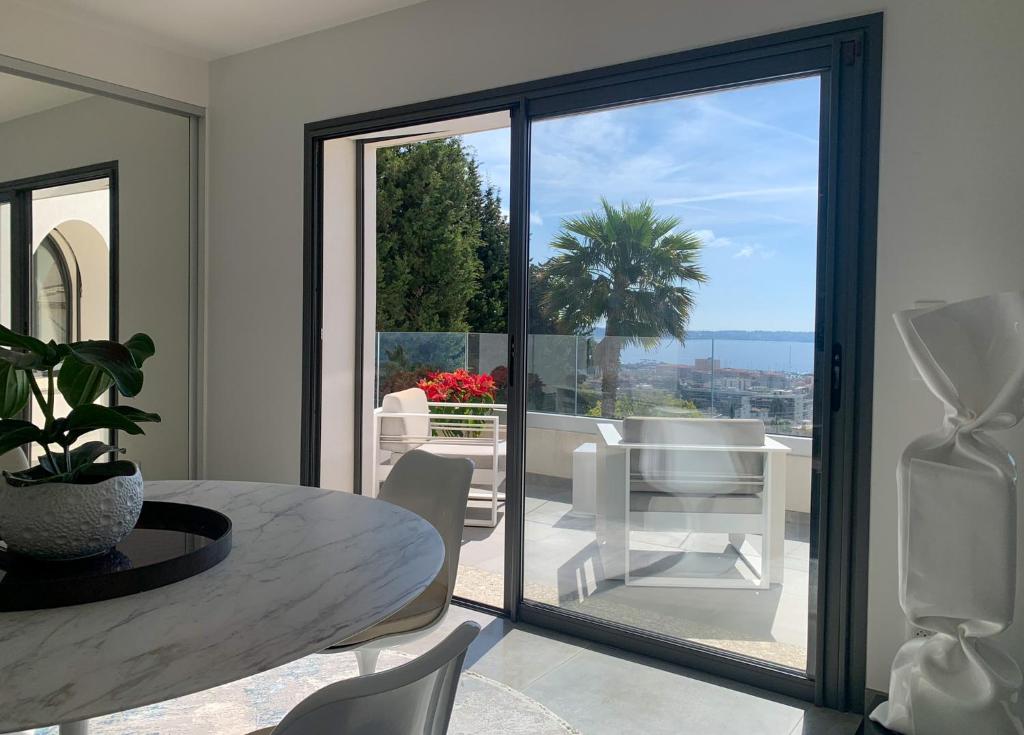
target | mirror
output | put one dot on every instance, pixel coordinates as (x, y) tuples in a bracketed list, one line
[(94, 239)]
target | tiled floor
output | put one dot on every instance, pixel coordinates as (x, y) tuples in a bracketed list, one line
[(603, 691), (519, 680), (563, 568)]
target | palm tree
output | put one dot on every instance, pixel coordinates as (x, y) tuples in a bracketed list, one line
[(629, 267)]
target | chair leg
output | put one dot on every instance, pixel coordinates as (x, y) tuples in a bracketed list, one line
[(494, 492), (366, 659)]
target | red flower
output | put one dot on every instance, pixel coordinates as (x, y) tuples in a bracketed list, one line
[(458, 386)]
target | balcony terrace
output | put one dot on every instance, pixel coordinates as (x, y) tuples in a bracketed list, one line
[(563, 565)]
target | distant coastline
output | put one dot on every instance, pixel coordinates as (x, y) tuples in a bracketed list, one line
[(742, 335), (789, 352), (751, 336)]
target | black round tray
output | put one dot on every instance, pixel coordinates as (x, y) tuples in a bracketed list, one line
[(170, 542)]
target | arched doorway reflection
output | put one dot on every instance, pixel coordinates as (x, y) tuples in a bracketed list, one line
[(56, 304), (70, 284)]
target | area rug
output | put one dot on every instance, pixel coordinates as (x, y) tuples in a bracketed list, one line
[(482, 706)]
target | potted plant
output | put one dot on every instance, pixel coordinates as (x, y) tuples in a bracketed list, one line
[(71, 504)]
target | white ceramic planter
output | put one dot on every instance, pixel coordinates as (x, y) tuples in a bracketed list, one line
[(63, 521)]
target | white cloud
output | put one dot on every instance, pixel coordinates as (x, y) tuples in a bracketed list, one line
[(752, 251), (710, 240), (536, 219), (768, 192), (706, 105), (744, 252)]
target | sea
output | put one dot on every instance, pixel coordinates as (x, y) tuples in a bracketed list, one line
[(746, 354)]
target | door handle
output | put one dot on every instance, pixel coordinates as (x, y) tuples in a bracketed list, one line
[(837, 375)]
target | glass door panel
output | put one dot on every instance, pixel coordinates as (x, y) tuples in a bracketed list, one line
[(435, 240), (670, 358), (441, 242)]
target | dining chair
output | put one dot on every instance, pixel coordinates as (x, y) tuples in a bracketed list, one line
[(413, 699), (436, 489)]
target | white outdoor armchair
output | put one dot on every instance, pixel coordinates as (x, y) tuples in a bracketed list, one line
[(691, 475), (407, 421)]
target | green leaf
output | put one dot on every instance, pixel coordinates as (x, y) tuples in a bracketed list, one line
[(137, 415), (14, 390), (81, 383), (80, 457), (88, 418), (141, 346), (91, 367), (114, 359), (35, 475), (22, 360), (10, 338), (93, 473), (14, 433)]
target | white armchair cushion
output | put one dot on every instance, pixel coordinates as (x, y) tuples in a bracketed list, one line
[(713, 432), (406, 432), (691, 471)]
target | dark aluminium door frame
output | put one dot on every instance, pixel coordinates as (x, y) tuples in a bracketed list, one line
[(846, 54)]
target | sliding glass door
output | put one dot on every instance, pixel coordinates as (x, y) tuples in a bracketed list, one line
[(677, 353), (671, 367)]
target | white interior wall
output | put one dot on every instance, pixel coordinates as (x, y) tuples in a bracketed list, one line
[(33, 33), (338, 358), (152, 151), (949, 195)]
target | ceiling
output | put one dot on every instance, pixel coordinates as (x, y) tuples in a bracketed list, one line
[(20, 97), (211, 29)]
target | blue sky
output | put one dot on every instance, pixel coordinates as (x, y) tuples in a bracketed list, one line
[(739, 167)]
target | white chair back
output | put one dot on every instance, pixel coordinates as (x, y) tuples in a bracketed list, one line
[(403, 433), (695, 471), (437, 490), (413, 699)]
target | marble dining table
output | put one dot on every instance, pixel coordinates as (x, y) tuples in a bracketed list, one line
[(308, 567)]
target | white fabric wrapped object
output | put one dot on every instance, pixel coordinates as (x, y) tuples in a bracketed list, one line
[(958, 524)]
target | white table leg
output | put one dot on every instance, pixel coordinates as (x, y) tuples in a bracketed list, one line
[(75, 728)]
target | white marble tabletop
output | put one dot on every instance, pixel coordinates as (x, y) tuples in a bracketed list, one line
[(307, 568)]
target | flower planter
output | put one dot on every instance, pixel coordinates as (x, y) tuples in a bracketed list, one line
[(62, 521)]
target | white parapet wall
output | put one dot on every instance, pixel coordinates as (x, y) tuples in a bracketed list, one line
[(552, 438)]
